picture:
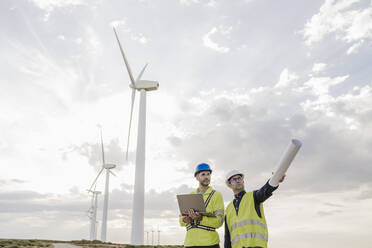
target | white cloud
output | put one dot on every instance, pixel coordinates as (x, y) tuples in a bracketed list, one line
[(45, 73), (329, 19), (349, 25), (348, 111), (320, 85), (139, 37), (361, 25), (286, 78), (208, 42), (261, 121), (49, 5), (188, 2), (94, 44), (319, 67), (210, 3), (123, 26), (78, 40)]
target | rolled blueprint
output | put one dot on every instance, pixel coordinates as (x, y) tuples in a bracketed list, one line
[(285, 162)]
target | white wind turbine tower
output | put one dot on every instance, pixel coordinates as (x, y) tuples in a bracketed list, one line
[(92, 214), (158, 236), (139, 184), (108, 168)]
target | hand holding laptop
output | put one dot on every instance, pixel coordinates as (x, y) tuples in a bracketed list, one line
[(187, 219), (192, 215)]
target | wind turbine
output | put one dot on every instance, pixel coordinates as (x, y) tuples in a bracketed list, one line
[(108, 168), (158, 236), (92, 214), (139, 184)]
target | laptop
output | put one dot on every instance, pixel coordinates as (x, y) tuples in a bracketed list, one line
[(192, 201)]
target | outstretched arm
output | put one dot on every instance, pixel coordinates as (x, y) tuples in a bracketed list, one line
[(265, 192), (262, 195)]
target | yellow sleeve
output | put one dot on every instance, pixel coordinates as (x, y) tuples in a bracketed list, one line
[(216, 207), (182, 223)]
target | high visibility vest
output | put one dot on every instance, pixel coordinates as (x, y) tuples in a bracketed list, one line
[(246, 228), (203, 233)]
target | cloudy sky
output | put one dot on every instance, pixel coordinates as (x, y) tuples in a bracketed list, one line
[(238, 79)]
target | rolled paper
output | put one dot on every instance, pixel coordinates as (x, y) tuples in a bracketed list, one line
[(285, 162)]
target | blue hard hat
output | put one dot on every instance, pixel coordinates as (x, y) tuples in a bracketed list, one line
[(202, 167)]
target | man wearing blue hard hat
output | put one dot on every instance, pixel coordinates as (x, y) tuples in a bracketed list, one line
[(201, 230)]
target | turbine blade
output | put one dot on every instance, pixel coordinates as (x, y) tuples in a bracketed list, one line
[(140, 75), (125, 60), (95, 180), (130, 120), (112, 173), (103, 150)]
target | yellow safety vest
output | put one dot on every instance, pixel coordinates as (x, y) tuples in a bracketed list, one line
[(203, 233), (246, 228)]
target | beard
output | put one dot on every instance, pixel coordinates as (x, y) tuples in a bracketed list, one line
[(240, 186), (205, 182)]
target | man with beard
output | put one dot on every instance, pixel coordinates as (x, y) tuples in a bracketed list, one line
[(201, 230), (245, 223)]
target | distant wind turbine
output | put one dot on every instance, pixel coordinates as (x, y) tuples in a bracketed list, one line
[(92, 214), (108, 168), (139, 185), (152, 237), (158, 236)]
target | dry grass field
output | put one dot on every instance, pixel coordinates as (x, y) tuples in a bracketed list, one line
[(29, 243), (35, 243)]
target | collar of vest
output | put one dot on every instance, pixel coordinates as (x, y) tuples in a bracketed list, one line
[(240, 194), (208, 191)]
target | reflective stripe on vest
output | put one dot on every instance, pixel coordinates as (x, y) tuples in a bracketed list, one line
[(221, 218), (249, 235), (209, 198), (219, 211), (248, 222), (188, 227)]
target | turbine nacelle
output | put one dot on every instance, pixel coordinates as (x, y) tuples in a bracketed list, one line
[(94, 192), (109, 166), (145, 85)]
